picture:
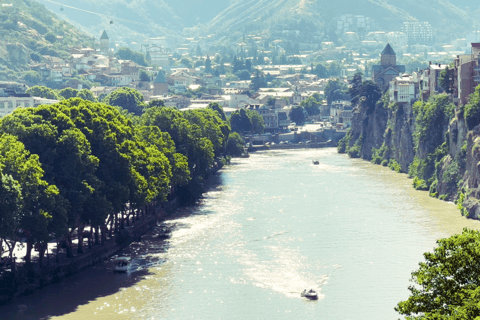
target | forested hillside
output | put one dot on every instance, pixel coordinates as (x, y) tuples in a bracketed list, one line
[(28, 30)]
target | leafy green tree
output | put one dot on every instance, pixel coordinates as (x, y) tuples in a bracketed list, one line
[(124, 53), (447, 284), (235, 145), (216, 107), (472, 109), (320, 71), (355, 88), (371, 93), (186, 62), (86, 94), (311, 105), (243, 75), (208, 65), (127, 98), (258, 81), (240, 121), (50, 37), (156, 103), (68, 93), (43, 92), (335, 90), (32, 77), (297, 115), (144, 76), (64, 152), (27, 200), (445, 79), (258, 126)]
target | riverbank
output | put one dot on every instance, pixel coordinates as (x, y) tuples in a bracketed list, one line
[(23, 279), (289, 146), (17, 279)]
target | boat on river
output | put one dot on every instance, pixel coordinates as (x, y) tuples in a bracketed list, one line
[(315, 162), (310, 294), (121, 264)]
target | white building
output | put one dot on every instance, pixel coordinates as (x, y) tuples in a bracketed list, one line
[(8, 104), (402, 89)]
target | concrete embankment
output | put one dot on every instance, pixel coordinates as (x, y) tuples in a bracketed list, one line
[(292, 146)]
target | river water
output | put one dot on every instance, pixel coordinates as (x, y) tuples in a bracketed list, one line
[(271, 226)]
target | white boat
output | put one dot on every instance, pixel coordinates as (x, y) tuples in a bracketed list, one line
[(311, 294), (121, 264)]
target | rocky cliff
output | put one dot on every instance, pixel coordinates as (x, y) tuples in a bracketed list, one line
[(429, 140)]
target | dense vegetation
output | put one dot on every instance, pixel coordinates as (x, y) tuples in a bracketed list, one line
[(447, 284), (78, 163)]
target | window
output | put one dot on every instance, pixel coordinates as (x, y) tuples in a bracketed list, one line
[(10, 104)]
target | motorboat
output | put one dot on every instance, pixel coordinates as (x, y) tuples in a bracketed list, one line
[(121, 264), (310, 294), (315, 162)]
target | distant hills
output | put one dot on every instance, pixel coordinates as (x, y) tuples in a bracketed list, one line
[(28, 30), (130, 20), (388, 14)]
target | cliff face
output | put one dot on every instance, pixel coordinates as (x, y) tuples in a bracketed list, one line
[(430, 141)]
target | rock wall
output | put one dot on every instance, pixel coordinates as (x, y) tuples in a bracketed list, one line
[(446, 161)]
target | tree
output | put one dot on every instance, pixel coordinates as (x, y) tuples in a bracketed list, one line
[(216, 107), (50, 37), (32, 77), (335, 90), (320, 71), (258, 126), (186, 62), (208, 65), (243, 75), (355, 88), (43, 92), (371, 93), (240, 122), (127, 98), (124, 53), (446, 80), (297, 115), (447, 284), (235, 145), (311, 105), (68, 93), (156, 103), (86, 94), (144, 76), (258, 81), (472, 109)]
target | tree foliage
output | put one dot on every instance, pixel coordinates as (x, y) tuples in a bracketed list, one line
[(128, 99), (447, 284), (297, 115), (335, 90), (43, 92)]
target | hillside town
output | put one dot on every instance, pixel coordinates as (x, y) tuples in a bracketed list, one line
[(188, 79)]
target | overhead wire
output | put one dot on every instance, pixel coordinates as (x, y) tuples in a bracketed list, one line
[(98, 14)]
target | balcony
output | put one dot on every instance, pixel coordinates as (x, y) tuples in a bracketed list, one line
[(476, 78)]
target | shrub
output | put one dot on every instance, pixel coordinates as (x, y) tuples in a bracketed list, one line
[(394, 165)]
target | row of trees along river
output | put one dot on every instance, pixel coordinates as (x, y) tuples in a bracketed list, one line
[(80, 165)]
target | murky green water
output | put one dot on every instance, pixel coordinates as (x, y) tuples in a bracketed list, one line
[(274, 225)]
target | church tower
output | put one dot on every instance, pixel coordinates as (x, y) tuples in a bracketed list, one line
[(388, 56), (104, 42), (160, 84)]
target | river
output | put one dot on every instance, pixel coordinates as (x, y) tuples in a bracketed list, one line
[(270, 226)]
